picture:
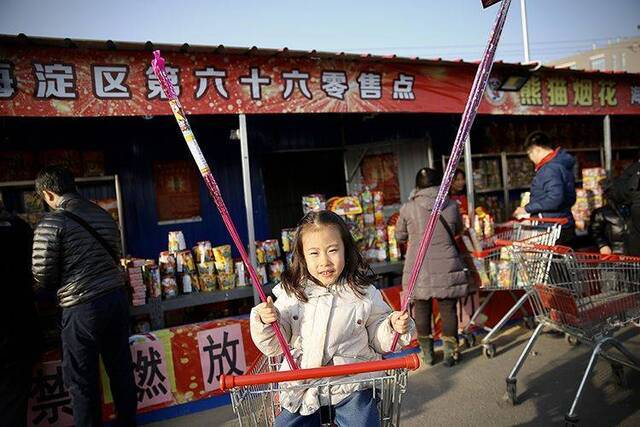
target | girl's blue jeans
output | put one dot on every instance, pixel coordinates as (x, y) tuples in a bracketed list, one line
[(357, 410)]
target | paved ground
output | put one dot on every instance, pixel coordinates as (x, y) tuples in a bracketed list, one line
[(471, 394)]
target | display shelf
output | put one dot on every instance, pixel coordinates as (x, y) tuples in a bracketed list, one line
[(490, 190)]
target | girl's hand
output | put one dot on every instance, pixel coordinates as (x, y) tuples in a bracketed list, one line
[(267, 311), (400, 321), (606, 250)]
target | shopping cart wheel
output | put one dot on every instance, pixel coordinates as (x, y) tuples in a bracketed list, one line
[(469, 340), (572, 340), (618, 374), (571, 421), (529, 323), (489, 350), (512, 394)]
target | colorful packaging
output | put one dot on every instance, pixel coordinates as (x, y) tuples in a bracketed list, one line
[(208, 279), (378, 205), (169, 287), (394, 250), (366, 198), (152, 280), (262, 274), (203, 252), (348, 205), (223, 260), (313, 203), (276, 268), (167, 263), (261, 255), (242, 276), (184, 262), (504, 274), (226, 281), (288, 236), (271, 249), (176, 241)]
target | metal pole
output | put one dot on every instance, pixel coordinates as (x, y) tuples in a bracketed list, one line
[(248, 200), (120, 214), (468, 171), (607, 144), (430, 161), (525, 31)]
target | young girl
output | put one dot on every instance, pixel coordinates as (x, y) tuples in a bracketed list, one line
[(331, 315)]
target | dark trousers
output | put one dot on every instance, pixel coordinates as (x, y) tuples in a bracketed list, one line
[(98, 328), (567, 237), (15, 382), (448, 315)]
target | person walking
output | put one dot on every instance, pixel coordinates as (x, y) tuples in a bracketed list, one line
[(443, 276)]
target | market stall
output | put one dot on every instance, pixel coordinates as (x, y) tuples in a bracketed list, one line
[(271, 122)]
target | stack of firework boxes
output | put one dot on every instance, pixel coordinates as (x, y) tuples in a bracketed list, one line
[(589, 197), (364, 216)]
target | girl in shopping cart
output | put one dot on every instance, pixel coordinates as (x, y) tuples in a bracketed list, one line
[(331, 314)]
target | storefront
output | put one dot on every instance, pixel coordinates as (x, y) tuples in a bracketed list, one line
[(275, 125)]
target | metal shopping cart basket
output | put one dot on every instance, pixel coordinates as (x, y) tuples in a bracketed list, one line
[(256, 396), (588, 297), (499, 273)]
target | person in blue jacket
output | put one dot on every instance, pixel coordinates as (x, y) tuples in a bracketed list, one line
[(553, 189)]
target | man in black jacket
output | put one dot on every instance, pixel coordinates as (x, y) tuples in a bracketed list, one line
[(76, 251), (626, 190), (20, 334)]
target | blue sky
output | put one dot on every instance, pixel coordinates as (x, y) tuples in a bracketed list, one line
[(427, 28)]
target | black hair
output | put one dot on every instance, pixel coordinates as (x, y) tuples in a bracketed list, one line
[(540, 139), (56, 179), (356, 273), (427, 177)]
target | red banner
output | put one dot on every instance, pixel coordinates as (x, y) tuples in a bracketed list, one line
[(42, 81)]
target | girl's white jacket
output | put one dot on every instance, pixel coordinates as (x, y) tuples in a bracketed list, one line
[(335, 327)]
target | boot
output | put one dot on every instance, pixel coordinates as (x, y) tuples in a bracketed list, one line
[(451, 351), (426, 344)]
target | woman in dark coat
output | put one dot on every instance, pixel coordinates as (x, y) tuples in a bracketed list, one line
[(443, 275)]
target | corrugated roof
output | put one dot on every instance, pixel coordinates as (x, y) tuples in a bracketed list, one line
[(24, 40)]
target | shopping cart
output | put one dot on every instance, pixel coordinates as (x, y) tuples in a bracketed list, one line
[(256, 396), (586, 296), (499, 273)]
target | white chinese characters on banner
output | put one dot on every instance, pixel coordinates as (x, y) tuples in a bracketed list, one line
[(7, 81), (154, 90), (334, 84), (255, 81), (109, 81), (49, 400), (55, 81), (295, 77), (370, 85), (403, 87), (221, 352), (218, 77), (150, 372)]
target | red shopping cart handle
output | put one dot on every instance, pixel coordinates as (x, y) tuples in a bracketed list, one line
[(555, 249), (411, 362), (559, 221)]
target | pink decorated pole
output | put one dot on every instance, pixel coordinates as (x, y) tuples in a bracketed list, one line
[(468, 116), (158, 65)]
